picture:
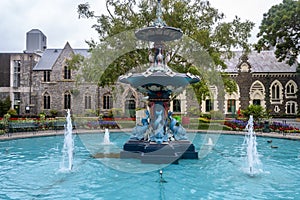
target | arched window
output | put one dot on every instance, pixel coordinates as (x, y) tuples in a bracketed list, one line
[(130, 104), (231, 105), (107, 101), (291, 107), (257, 93), (176, 105), (291, 89), (67, 100), (209, 106), (232, 102), (47, 101), (276, 92)]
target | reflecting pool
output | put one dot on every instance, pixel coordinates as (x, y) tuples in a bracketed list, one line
[(30, 169)]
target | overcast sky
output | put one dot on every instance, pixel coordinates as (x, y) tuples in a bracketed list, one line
[(58, 20)]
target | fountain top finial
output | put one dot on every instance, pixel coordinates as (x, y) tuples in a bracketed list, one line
[(159, 21), (159, 31)]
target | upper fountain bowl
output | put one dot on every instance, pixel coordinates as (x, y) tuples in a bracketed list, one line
[(159, 34)]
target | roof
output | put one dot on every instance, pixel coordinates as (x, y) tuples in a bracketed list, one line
[(262, 62), (50, 56), (48, 59), (35, 31)]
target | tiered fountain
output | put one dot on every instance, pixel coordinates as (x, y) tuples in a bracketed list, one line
[(160, 138)]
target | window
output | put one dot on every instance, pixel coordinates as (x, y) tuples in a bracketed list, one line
[(208, 105), (291, 107), (67, 73), (46, 76), (231, 105), (107, 101), (87, 102), (67, 100), (46, 101), (176, 105), (276, 92), (256, 102), (276, 109), (130, 105), (17, 73), (17, 98), (291, 89)]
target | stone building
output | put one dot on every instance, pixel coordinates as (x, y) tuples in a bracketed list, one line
[(261, 80), (39, 81), (16, 79), (56, 88)]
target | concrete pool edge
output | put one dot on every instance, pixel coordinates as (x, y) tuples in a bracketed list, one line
[(22, 135)]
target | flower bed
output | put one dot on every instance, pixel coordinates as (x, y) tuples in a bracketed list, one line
[(39, 124), (239, 125)]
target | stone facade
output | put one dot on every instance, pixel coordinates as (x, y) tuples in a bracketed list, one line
[(262, 81), (46, 85), (16, 79)]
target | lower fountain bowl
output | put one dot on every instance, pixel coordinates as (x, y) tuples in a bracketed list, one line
[(165, 153)]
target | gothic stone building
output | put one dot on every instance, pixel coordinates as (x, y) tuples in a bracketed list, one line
[(41, 82), (261, 80)]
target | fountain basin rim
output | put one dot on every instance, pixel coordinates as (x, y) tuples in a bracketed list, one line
[(159, 78), (159, 34)]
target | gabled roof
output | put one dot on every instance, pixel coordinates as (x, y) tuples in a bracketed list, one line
[(48, 59), (84, 52), (262, 62), (50, 56)]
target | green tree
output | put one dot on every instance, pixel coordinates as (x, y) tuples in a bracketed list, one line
[(207, 38), (280, 28)]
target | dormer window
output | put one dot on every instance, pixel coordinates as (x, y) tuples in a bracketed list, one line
[(46, 76), (67, 73), (245, 67)]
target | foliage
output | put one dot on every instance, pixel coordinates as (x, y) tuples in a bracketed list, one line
[(193, 111), (280, 28), (4, 105), (206, 38), (12, 112), (257, 111), (53, 113), (216, 114)]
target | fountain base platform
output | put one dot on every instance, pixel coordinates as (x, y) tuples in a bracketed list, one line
[(165, 153)]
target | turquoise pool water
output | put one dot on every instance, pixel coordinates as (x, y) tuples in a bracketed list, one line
[(30, 169)]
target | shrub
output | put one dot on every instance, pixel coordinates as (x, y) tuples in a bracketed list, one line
[(257, 111), (53, 113), (216, 114), (12, 112), (4, 106)]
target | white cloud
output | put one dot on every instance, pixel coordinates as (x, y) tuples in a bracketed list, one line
[(58, 20)]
